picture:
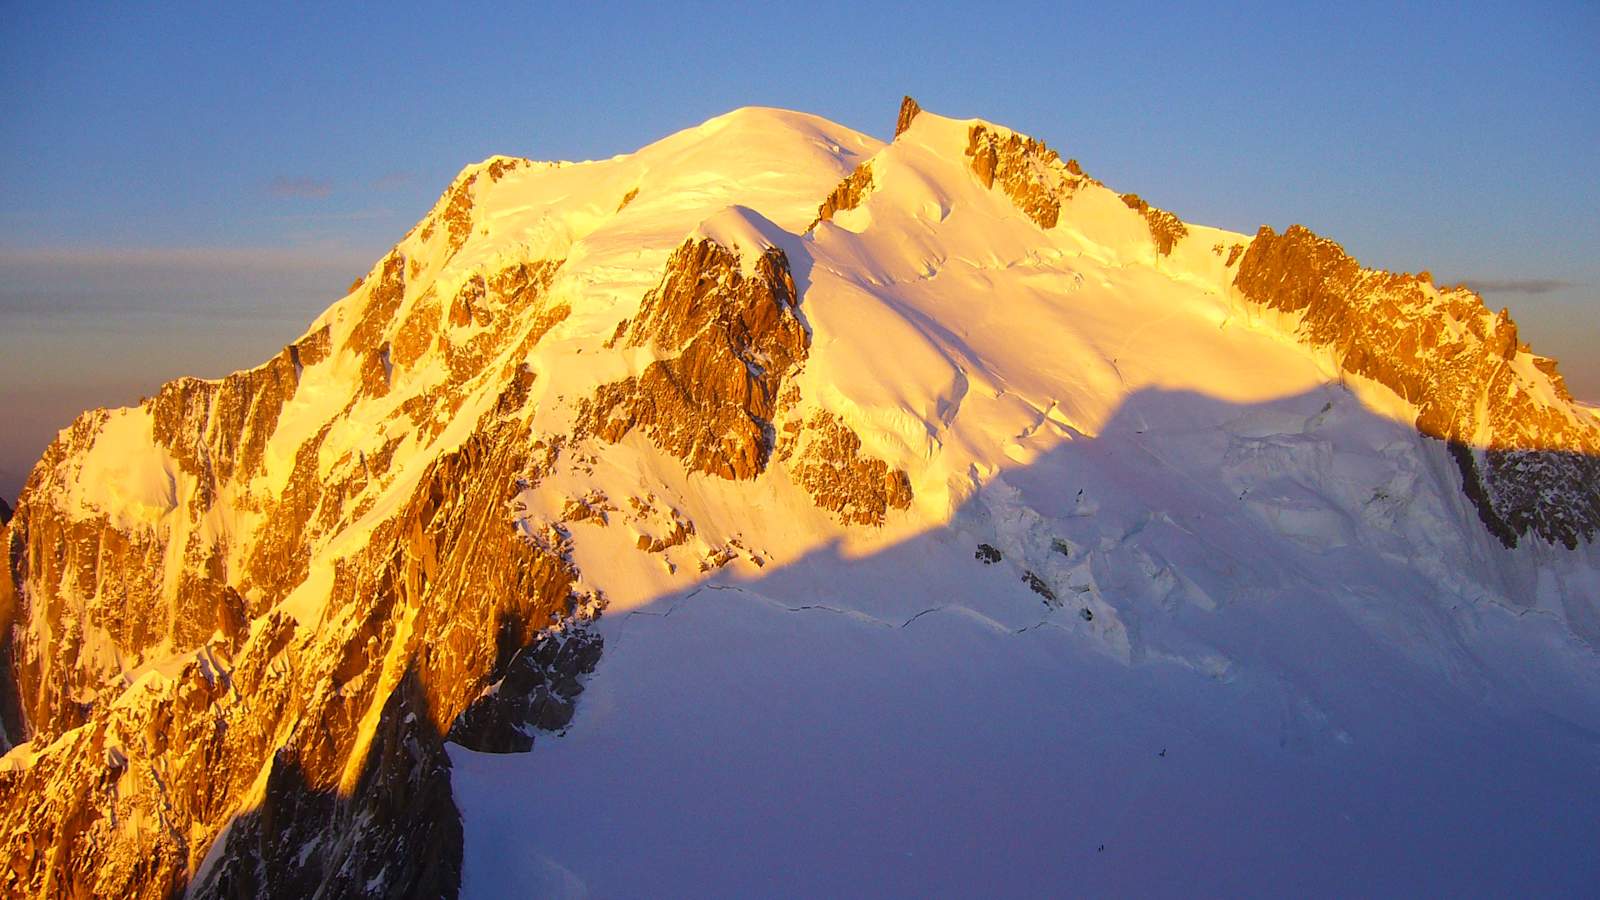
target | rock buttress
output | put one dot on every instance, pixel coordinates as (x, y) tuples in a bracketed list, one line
[(342, 717), (1528, 466), (728, 339)]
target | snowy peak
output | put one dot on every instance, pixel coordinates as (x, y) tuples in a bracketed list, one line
[(1526, 452), (766, 350)]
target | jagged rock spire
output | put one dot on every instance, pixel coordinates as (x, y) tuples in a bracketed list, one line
[(908, 111)]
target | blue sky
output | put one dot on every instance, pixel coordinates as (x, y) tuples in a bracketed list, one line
[(185, 186)]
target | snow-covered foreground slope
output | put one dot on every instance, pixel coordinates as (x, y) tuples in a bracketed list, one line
[(809, 752), (929, 490), (1258, 705)]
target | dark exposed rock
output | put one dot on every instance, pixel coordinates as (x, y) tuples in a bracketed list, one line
[(1038, 586), (5, 511), (987, 554), (1527, 466), (1472, 483), (551, 712), (397, 834), (534, 690), (579, 654)]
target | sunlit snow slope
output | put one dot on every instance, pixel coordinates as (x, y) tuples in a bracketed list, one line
[(951, 522)]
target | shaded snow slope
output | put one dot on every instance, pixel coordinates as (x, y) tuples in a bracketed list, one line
[(1236, 586)]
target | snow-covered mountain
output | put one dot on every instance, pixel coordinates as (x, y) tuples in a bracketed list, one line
[(959, 524)]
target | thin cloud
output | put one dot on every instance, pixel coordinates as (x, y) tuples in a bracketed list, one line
[(1530, 286), (315, 188), (353, 215), (81, 259), (394, 181)]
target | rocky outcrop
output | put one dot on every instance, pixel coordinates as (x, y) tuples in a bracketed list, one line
[(383, 298), (313, 747), (488, 310), (534, 690), (848, 195), (908, 112), (90, 581), (1030, 173), (1528, 466), (397, 834), (453, 212), (825, 458), (1039, 182), (729, 338), (5, 511), (1165, 228)]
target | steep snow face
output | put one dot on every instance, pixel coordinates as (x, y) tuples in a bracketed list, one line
[(824, 423), (958, 328)]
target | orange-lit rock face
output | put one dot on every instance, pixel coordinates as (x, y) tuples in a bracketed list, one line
[(848, 195), (1528, 466), (415, 623), (1165, 228), (908, 112), (455, 212), (1030, 173), (825, 458), (418, 623), (1039, 183), (215, 432), (728, 341)]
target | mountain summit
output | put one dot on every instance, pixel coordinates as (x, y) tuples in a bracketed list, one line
[(777, 510)]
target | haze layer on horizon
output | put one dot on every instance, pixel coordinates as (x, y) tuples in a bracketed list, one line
[(185, 189)]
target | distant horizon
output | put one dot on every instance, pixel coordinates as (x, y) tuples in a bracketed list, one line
[(187, 188)]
